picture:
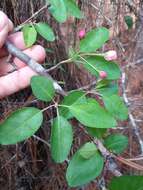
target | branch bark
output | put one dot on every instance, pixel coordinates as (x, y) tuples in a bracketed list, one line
[(35, 66)]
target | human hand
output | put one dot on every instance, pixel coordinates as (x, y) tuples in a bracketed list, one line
[(20, 79)]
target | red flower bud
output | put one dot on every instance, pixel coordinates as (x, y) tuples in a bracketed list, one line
[(82, 33), (110, 55), (102, 74)]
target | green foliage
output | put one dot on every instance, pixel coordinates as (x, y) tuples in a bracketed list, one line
[(45, 31), (94, 40), (126, 183), (116, 143), (129, 21), (91, 114), (58, 10), (115, 105), (61, 9), (42, 88), (21, 125), (98, 63), (61, 139), (95, 132), (81, 171), (72, 98), (87, 163), (29, 34), (72, 9), (107, 87), (88, 150)]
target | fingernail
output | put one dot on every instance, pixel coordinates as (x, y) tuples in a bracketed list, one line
[(3, 20)]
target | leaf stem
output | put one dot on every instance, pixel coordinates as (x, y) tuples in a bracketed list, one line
[(89, 64), (92, 54), (59, 64), (53, 105)]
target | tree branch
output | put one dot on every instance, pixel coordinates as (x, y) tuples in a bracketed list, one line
[(35, 66)]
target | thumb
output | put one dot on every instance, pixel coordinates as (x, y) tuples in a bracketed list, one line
[(4, 28)]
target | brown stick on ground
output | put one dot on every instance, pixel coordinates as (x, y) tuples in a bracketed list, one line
[(35, 66)]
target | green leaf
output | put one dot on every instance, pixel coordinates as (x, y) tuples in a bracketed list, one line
[(72, 98), (94, 63), (21, 125), (129, 21), (107, 88), (72, 9), (81, 171), (126, 183), (115, 105), (88, 150), (42, 88), (117, 143), (99, 133), (45, 31), (91, 114), (61, 139), (94, 40), (29, 34), (58, 10)]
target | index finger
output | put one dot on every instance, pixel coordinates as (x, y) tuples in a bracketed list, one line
[(5, 27)]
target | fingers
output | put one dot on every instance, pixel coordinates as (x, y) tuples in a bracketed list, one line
[(15, 81), (5, 27), (37, 52), (17, 40)]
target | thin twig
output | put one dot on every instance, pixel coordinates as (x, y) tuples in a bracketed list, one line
[(106, 18), (59, 64), (131, 117), (135, 159), (42, 140), (33, 16), (88, 86)]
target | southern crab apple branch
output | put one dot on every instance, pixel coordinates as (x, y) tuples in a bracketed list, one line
[(35, 66)]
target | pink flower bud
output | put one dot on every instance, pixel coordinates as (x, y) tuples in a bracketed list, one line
[(82, 33), (102, 74), (110, 55)]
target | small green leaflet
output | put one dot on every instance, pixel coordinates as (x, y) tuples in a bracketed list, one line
[(42, 88), (72, 98), (95, 132), (21, 125), (115, 105), (88, 150), (94, 63), (29, 34), (107, 87), (94, 40), (45, 31), (126, 183), (81, 171), (129, 21), (72, 9), (58, 10), (92, 115), (61, 139), (116, 143)]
